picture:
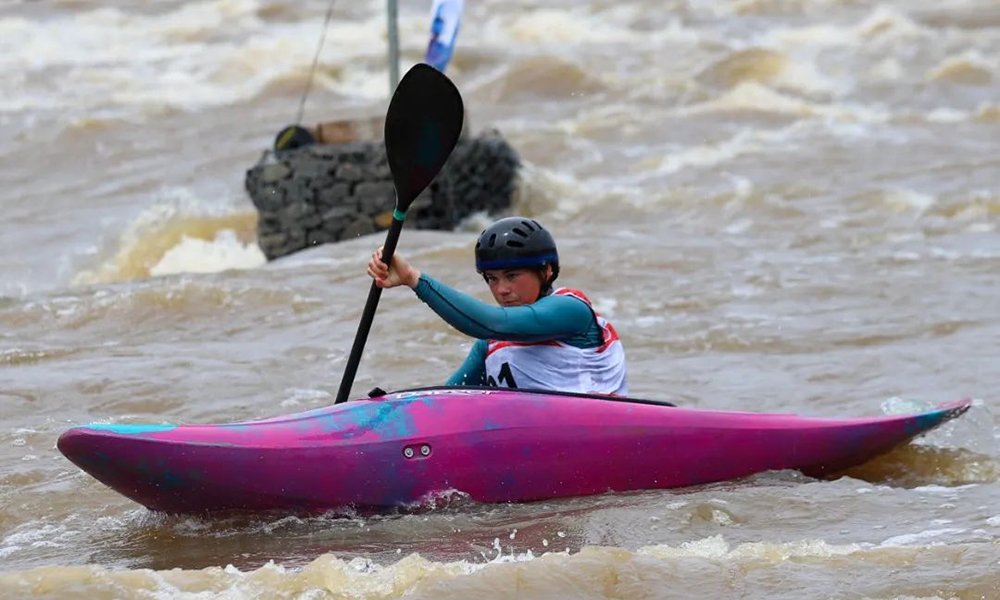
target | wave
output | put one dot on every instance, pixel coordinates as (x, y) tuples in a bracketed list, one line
[(707, 567), (971, 68), (178, 235), (186, 57), (539, 77)]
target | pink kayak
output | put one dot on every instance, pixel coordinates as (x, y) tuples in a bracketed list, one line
[(494, 445)]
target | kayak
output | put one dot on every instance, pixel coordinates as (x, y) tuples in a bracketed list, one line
[(495, 445)]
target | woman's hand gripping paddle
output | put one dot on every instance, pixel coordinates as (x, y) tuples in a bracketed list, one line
[(422, 127)]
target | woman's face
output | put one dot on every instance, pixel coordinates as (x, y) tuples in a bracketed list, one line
[(515, 287)]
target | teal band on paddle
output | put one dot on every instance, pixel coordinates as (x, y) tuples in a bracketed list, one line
[(399, 216)]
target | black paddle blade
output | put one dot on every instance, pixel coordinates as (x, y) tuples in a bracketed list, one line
[(422, 127)]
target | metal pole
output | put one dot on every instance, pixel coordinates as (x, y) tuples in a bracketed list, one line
[(393, 15)]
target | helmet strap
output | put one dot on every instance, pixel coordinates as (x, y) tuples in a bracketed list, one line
[(547, 281)]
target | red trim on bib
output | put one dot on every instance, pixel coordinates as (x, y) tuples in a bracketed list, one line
[(493, 346), (575, 293), (608, 333)]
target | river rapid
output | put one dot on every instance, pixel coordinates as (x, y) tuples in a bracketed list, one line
[(782, 205)]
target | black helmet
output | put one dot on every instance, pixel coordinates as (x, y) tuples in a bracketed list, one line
[(516, 242)]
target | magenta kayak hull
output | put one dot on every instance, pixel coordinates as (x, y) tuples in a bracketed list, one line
[(494, 445)]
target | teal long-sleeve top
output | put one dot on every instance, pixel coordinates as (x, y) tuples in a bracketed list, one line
[(561, 318)]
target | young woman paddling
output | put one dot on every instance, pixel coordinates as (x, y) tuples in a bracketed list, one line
[(539, 337)]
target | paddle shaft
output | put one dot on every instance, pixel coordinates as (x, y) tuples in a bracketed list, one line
[(368, 315)]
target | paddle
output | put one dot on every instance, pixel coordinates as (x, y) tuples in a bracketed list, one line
[(422, 127)]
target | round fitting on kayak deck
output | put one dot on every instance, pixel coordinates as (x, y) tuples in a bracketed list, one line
[(424, 450)]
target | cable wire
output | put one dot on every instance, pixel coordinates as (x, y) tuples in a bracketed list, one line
[(312, 70)]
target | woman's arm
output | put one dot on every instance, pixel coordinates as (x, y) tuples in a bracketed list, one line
[(550, 318), (473, 369)]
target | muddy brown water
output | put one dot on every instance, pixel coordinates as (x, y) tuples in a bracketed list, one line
[(782, 206)]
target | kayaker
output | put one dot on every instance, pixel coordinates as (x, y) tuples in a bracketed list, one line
[(539, 337)]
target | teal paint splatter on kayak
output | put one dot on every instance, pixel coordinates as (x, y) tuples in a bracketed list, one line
[(384, 420)]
